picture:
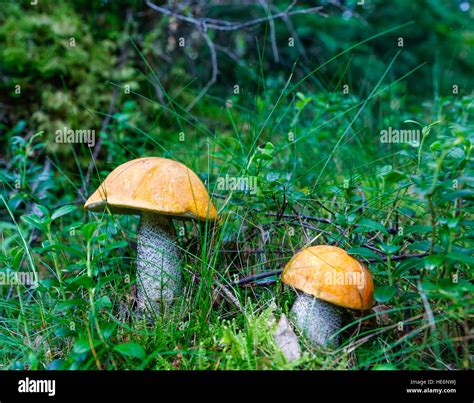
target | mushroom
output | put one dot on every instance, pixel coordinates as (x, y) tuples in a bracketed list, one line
[(329, 279), (159, 189)]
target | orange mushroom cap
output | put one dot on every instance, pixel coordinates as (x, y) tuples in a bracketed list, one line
[(329, 273), (156, 185)]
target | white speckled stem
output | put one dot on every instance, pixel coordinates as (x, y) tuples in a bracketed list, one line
[(159, 278), (317, 319)]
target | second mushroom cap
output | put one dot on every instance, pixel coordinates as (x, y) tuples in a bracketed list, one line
[(331, 274)]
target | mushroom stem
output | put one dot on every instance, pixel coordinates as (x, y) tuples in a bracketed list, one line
[(317, 319), (159, 277)]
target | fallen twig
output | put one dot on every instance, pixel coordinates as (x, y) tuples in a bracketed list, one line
[(252, 278), (221, 25), (204, 24)]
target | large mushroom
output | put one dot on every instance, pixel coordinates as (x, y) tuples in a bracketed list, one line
[(159, 189), (329, 279)]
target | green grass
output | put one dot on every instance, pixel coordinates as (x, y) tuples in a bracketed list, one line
[(323, 178), (86, 263)]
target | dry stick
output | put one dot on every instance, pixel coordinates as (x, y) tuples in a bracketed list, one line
[(266, 7), (255, 251), (428, 310), (357, 343), (213, 79), (305, 236), (298, 216), (203, 24), (294, 34), (343, 8), (225, 292), (286, 215), (254, 277), (222, 25), (235, 58), (219, 288), (259, 284)]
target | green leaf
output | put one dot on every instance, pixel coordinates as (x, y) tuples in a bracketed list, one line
[(384, 367), (364, 252), (461, 257), (389, 249), (417, 229), (433, 261), (43, 209), (404, 266), (35, 222), (63, 332), (394, 177), (266, 152), (107, 329), (71, 303), (116, 245), (457, 194), (81, 281), (81, 346), (419, 246), (88, 230), (372, 225), (133, 350), (457, 153), (63, 211), (384, 170), (384, 293), (56, 247), (103, 302)]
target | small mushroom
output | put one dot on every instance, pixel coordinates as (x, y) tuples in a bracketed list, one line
[(159, 189), (330, 280)]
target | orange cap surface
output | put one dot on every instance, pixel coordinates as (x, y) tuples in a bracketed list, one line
[(329, 273), (157, 185)]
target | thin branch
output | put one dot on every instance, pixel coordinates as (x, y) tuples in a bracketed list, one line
[(203, 24), (228, 295), (222, 25), (266, 7), (219, 288), (294, 34), (213, 79), (428, 310), (252, 251), (298, 216), (260, 283), (250, 279), (258, 276)]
